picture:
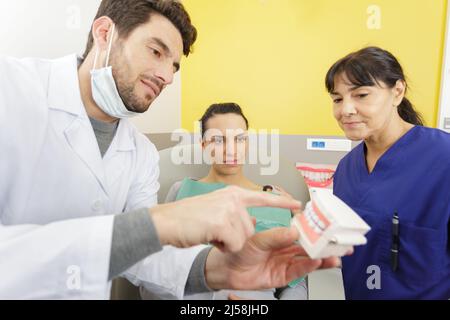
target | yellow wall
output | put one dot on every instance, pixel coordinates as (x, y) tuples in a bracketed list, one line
[(271, 56)]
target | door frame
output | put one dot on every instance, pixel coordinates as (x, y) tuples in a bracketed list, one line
[(444, 103)]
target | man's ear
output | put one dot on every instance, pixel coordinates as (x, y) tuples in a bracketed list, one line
[(101, 32)]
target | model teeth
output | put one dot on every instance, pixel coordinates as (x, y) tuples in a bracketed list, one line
[(321, 225), (317, 176), (314, 221)]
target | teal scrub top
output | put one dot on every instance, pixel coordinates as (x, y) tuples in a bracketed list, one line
[(266, 217)]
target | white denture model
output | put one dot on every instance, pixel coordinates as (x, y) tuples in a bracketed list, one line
[(328, 227)]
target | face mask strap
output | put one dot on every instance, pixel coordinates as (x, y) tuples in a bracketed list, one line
[(110, 45), (95, 59), (109, 50)]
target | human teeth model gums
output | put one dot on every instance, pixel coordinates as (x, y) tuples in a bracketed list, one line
[(317, 176), (328, 227)]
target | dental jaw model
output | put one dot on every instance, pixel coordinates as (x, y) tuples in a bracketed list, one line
[(328, 227)]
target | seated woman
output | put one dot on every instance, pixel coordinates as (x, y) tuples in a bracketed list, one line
[(224, 134)]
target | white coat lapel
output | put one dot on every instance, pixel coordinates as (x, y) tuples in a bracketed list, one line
[(81, 138), (64, 95)]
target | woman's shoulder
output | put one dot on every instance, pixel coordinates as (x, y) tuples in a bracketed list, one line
[(175, 189), (177, 185), (433, 133), (435, 139)]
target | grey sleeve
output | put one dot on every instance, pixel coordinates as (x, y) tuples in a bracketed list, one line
[(196, 282), (134, 238)]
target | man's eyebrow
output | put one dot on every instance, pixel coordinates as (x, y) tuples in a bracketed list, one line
[(166, 49)]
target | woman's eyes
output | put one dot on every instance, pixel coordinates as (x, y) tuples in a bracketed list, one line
[(217, 140), (360, 96), (221, 140)]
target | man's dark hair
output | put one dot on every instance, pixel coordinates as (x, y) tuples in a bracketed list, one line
[(130, 14)]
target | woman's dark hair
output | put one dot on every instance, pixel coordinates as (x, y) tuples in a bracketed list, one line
[(369, 67), (221, 108)]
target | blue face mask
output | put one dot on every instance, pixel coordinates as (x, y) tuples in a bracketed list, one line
[(104, 89)]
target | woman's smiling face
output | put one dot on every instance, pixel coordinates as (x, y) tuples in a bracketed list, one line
[(365, 111)]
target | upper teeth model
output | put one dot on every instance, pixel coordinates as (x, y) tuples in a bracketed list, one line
[(317, 176)]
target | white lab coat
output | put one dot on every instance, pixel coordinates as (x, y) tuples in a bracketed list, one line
[(57, 193)]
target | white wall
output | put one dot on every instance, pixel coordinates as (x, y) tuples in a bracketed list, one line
[(54, 28), (444, 109)]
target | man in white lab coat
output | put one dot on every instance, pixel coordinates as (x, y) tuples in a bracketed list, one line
[(70, 160)]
